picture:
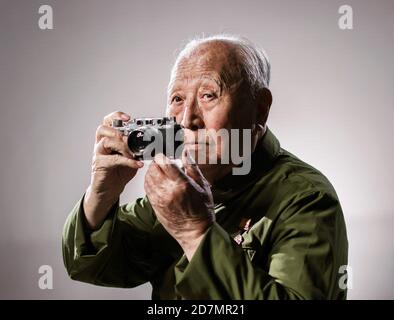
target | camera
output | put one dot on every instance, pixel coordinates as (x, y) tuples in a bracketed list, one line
[(149, 136)]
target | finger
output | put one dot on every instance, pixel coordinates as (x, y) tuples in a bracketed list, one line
[(147, 184), (116, 160), (107, 146), (170, 169), (193, 171), (156, 179), (155, 172), (150, 185), (105, 131), (115, 115)]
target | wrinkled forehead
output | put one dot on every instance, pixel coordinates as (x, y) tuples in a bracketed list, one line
[(217, 62)]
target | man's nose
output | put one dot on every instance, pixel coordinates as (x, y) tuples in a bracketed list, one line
[(192, 118)]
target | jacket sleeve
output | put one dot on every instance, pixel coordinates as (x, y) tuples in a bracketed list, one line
[(119, 254), (307, 245)]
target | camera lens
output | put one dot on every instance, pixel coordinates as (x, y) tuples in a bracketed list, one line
[(148, 140), (138, 140)]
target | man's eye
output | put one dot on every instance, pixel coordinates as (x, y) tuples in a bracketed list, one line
[(208, 96), (176, 99)]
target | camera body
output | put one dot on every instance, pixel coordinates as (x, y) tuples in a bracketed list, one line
[(150, 136)]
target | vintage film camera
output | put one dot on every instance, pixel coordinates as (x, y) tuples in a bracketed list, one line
[(149, 136)]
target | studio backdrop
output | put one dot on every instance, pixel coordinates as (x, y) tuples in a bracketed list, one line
[(332, 86)]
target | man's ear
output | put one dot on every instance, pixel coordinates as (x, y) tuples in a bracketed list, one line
[(264, 101)]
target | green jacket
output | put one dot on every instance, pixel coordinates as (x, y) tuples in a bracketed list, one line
[(284, 215)]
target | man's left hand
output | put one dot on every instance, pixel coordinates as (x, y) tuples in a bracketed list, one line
[(181, 200)]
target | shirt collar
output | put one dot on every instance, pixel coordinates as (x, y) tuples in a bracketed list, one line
[(265, 153)]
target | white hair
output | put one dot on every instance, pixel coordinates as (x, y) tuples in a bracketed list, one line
[(253, 60)]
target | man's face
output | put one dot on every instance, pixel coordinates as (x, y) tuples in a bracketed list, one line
[(205, 93)]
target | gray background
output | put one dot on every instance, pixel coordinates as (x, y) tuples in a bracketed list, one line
[(332, 89)]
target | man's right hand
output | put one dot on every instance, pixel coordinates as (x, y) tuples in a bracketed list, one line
[(113, 166)]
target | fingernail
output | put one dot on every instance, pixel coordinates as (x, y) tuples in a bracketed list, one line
[(190, 158), (125, 117), (140, 164)]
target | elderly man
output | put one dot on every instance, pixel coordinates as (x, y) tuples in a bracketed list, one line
[(277, 232)]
